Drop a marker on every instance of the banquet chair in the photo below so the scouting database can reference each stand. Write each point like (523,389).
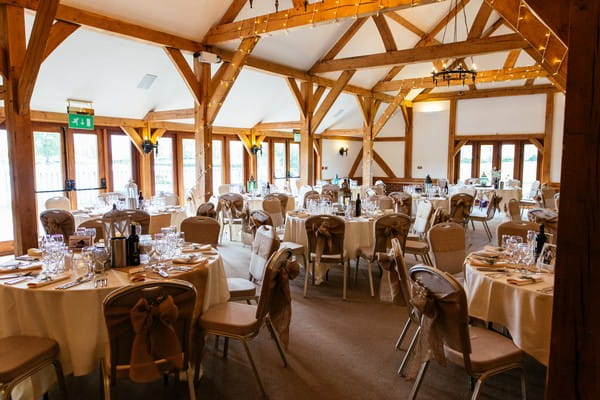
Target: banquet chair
(449,248)
(171,199)
(516,228)
(191,202)
(281,197)
(402,202)
(203,230)
(310,195)
(547,194)
(460,208)
(532,198)
(418,245)
(159,221)
(206,210)
(145,356)
(223,189)
(22,357)
(242,321)
(126,217)
(58,203)
(385,203)
(265,244)
(58,222)
(481,352)
(387,227)
(514,210)
(95,223)
(331,190)
(231,206)
(489,215)
(273,208)
(413,313)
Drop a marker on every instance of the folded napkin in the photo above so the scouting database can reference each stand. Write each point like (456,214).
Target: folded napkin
(34,253)
(197,247)
(19,266)
(41,283)
(494,249)
(190,259)
(486,254)
(488,262)
(524,280)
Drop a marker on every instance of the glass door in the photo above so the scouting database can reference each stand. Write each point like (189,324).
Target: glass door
(49,167)
(164,173)
(217,164)
(6,233)
(279,164)
(121,161)
(465,165)
(530,167)
(87,173)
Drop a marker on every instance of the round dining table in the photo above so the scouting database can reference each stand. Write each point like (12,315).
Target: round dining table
(177,215)
(526,311)
(74,318)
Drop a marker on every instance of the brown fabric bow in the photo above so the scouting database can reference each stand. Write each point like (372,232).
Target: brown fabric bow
(155,339)
(389,289)
(280,307)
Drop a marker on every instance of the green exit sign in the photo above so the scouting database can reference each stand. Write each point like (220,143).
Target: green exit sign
(81,121)
(297,137)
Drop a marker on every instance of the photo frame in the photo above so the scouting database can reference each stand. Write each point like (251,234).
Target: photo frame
(79,242)
(547,257)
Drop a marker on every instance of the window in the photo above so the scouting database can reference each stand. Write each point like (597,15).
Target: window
(294,163)
(507,161)
(486,155)
(279,164)
(189,164)
(6,233)
(262,165)
(530,165)
(217,164)
(163,166)
(85,148)
(236,162)
(48,166)
(465,170)
(122,170)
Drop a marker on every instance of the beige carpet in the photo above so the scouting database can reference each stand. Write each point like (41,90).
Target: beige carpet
(338,350)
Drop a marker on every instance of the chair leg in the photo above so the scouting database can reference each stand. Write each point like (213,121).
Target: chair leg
(262,388)
(277,341)
(230,231)
(307,269)
(403,333)
(409,351)
(105,380)
(356,270)
(477,389)
(418,381)
(190,381)
(370,278)
(345,263)
(523,384)
(60,377)
(225,347)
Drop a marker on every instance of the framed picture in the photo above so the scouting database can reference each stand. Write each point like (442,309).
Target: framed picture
(79,242)
(547,257)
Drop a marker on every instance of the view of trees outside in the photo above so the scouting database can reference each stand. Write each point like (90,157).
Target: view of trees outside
(507,162)
(217,165)
(122,171)
(163,166)
(236,162)
(486,152)
(530,156)
(87,174)
(466,161)
(262,166)
(189,164)
(279,164)
(48,166)
(294,163)
(5,201)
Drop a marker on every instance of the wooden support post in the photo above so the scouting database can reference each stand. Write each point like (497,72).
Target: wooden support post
(548,129)
(451,140)
(307,161)
(408,140)
(19,132)
(145,181)
(203,133)
(367,144)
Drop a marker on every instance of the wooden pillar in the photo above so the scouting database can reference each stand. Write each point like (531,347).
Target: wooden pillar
(19,132)
(548,132)
(367,154)
(203,133)
(408,140)
(451,141)
(307,162)
(144,172)
(573,372)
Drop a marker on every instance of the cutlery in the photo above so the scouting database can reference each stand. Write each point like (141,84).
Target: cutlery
(18,280)
(100,283)
(76,282)
(161,272)
(546,290)
(13,276)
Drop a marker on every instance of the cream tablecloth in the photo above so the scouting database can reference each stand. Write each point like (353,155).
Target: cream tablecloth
(506,195)
(177,216)
(436,202)
(74,319)
(525,312)
(255,203)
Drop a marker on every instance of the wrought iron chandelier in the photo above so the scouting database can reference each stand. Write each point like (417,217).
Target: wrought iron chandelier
(458,71)
(277,4)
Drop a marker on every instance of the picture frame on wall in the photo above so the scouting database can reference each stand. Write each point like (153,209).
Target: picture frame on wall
(547,257)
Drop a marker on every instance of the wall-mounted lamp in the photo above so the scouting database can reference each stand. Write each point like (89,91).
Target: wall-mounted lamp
(148,146)
(255,149)
(343,151)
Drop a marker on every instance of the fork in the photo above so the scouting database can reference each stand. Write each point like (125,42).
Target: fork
(100,283)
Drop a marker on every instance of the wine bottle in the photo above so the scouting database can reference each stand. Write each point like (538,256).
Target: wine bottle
(133,248)
(357,206)
(540,240)
(140,201)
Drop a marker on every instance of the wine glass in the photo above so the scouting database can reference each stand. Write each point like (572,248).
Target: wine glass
(101,256)
(91,232)
(161,246)
(58,237)
(86,266)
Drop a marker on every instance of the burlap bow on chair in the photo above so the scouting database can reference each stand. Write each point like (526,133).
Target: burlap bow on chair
(280,307)
(389,289)
(155,339)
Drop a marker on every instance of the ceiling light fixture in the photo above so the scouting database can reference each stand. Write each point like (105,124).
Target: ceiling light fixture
(462,72)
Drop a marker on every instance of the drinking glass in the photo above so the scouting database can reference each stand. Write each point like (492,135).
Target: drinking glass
(161,246)
(146,246)
(91,232)
(530,238)
(58,237)
(81,267)
(101,257)
(86,266)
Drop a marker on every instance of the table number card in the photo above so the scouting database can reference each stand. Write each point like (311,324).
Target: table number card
(79,242)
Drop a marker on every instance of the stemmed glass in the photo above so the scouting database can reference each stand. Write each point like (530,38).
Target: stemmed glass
(101,256)
(91,232)
(161,246)
(86,268)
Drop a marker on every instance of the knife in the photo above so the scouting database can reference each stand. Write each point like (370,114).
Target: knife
(76,282)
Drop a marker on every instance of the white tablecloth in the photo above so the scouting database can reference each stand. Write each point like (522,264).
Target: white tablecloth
(177,216)
(358,233)
(506,195)
(526,313)
(436,202)
(255,203)
(74,319)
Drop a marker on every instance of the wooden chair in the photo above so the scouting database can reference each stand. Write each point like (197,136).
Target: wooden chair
(231,206)
(281,197)
(547,194)
(489,215)
(272,207)
(331,191)
(449,248)
(532,199)
(265,244)
(514,210)
(481,352)
(402,202)
(460,208)
(310,195)
(58,203)
(242,321)
(516,228)
(95,223)
(206,210)
(122,337)
(57,221)
(387,227)
(203,230)
(22,357)
(157,222)
(418,246)
(124,218)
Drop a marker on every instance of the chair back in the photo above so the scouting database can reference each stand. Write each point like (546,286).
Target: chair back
(259,218)
(171,199)
(58,222)
(440,215)
(493,204)
(206,210)
(514,210)
(379,188)
(95,223)
(223,189)
(402,202)
(203,230)
(460,207)
(273,208)
(326,231)
(266,242)
(331,191)
(387,228)
(274,264)
(424,209)
(231,205)
(514,183)
(310,195)
(516,228)
(449,246)
(191,202)
(385,203)
(58,203)
(533,191)
(119,303)
(450,303)
(404,280)
(548,197)
(281,197)
(158,221)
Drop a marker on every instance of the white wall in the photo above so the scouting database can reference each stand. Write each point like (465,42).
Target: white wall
(335,163)
(430,139)
(557,136)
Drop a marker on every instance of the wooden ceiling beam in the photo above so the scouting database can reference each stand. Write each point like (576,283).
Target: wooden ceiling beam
(134,136)
(341,132)
(343,40)
(389,111)
(229,76)
(330,99)
(186,73)
(384,31)
(58,33)
(427,53)
(34,55)
(386,168)
(480,21)
(297,95)
(232,12)
(511,59)
(316,13)
(485,93)
(495,75)
(394,16)
(265,126)
(169,114)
